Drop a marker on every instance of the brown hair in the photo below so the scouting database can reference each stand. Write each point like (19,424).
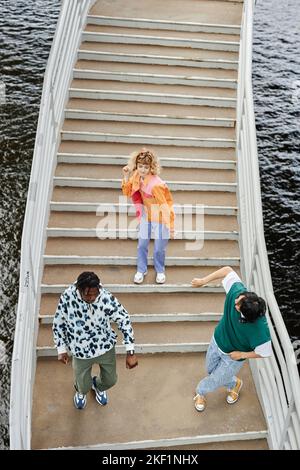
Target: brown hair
(147,157)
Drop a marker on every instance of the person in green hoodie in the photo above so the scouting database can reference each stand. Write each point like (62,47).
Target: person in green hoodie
(241,334)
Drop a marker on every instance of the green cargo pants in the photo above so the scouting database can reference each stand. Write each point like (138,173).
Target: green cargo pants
(83,367)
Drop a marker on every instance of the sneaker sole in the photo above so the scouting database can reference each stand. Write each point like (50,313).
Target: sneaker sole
(200,411)
(233,402)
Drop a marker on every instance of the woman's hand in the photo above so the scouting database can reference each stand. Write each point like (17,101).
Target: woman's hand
(198,282)
(237,355)
(126,172)
(172,234)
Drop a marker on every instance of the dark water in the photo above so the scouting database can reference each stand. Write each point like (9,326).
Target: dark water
(26,34)
(276,89)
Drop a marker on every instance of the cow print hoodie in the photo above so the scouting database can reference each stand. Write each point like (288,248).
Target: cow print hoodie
(84,329)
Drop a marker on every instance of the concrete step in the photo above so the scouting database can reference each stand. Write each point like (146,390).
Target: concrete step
(171,174)
(79,247)
(152,59)
(209,97)
(137,303)
(171,113)
(161,41)
(129,29)
(115,183)
(152,337)
(150,69)
(162,25)
(147,139)
(163,151)
(160,79)
(195,235)
(100,219)
(127,208)
(95,195)
(156,50)
(212,13)
(149,23)
(172,89)
(154,129)
(140,289)
(160,119)
(172,110)
(171,378)
(166,163)
(123,274)
(157,317)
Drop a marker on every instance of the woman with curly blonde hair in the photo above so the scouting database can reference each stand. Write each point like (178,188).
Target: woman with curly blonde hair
(147,157)
(154,208)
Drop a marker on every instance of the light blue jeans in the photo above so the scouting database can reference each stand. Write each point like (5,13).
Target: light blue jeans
(161,237)
(221,369)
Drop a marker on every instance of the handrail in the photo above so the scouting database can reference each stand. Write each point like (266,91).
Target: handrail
(56,83)
(276,379)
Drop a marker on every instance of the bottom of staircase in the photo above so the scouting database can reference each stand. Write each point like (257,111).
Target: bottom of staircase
(149,407)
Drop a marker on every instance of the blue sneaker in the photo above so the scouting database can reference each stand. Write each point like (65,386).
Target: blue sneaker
(79,401)
(101,397)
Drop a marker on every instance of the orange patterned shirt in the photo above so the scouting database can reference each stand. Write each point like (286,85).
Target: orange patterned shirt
(155,196)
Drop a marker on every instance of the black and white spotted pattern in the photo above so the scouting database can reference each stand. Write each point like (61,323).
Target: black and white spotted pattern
(85,329)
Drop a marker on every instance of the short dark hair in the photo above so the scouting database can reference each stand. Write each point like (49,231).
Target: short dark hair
(87,279)
(252,307)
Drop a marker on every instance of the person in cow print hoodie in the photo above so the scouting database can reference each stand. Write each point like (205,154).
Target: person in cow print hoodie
(82,329)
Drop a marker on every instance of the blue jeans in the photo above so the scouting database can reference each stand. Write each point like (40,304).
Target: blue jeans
(161,238)
(221,369)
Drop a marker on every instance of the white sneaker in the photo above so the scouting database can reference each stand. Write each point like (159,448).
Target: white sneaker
(160,278)
(139,277)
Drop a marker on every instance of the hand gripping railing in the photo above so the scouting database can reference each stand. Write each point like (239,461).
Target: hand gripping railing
(276,378)
(56,82)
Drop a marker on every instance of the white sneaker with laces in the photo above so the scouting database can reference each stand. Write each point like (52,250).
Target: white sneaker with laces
(139,277)
(160,278)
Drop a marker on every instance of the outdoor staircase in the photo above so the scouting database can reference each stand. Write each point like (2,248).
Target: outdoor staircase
(161,75)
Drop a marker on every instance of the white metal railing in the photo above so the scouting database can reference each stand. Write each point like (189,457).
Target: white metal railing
(276,379)
(56,82)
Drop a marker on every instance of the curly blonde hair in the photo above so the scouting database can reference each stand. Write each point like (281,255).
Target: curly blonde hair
(147,157)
